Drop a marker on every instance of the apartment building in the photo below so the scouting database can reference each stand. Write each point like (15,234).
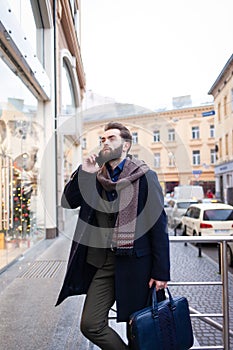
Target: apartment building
(42,85)
(222,91)
(179,144)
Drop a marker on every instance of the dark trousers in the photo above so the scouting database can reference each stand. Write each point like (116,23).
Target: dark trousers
(99,300)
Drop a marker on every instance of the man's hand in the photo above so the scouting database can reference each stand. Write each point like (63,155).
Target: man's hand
(158,284)
(90,164)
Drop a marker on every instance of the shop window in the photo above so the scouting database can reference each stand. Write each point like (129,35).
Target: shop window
(67,158)
(29,18)
(68,100)
(21,141)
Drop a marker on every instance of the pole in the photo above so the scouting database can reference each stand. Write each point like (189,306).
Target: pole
(225,298)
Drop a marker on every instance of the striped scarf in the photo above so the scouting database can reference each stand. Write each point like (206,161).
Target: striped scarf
(127,188)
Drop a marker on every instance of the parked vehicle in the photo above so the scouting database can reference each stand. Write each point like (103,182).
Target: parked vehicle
(209,219)
(175,209)
(210,200)
(189,192)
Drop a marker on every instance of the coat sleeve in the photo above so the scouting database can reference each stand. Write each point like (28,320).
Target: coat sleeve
(79,188)
(160,250)
(158,231)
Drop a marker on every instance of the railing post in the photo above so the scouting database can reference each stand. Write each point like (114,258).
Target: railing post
(199,248)
(219,258)
(225,298)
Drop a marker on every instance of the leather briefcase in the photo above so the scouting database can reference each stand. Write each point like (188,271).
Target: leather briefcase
(162,326)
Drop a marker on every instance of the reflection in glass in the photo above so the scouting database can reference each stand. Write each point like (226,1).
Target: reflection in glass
(21,136)
(68,102)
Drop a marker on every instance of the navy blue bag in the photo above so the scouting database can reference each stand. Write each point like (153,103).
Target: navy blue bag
(162,326)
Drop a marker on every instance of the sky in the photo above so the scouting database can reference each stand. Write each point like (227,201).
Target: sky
(147,52)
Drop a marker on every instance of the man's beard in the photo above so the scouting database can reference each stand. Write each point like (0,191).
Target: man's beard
(111,154)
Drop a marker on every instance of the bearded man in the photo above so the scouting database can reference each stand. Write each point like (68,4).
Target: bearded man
(120,247)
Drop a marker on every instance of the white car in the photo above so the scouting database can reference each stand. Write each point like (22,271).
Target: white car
(209,219)
(175,209)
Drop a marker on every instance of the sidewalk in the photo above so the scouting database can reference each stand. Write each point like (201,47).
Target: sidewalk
(29,289)
(28,292)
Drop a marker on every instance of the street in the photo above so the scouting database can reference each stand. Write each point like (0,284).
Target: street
(211,250)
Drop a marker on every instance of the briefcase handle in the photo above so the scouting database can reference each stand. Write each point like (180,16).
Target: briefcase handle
(155,302)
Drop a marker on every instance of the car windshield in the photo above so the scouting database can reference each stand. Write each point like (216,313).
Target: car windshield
(183,205)
(218,215)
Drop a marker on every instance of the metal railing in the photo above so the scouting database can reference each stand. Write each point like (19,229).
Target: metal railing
(207,317)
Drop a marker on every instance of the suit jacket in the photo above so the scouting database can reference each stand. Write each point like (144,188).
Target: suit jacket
(132,273)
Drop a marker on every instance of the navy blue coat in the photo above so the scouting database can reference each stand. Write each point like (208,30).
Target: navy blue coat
(132,273)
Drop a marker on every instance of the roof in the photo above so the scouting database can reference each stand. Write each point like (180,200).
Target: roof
(225,68)
(113,110)
(212,206)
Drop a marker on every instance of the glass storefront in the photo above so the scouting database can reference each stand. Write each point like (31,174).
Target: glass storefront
(21,214)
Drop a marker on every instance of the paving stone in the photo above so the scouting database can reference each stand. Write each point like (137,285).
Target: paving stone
(29,320)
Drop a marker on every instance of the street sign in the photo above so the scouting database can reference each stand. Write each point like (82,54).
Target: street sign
(207,114)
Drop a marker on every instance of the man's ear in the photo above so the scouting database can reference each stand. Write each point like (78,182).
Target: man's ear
(126,146)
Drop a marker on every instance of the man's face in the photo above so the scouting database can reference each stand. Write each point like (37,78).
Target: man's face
(112,145)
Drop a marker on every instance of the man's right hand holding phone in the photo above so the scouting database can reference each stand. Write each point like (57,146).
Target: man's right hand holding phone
(90,165)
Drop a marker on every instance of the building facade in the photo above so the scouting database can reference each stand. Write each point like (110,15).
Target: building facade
(178,144)
(42,85)
(222,91)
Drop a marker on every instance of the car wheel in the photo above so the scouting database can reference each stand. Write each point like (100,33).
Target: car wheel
(229,256)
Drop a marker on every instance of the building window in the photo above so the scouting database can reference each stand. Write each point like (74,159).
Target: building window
(134,138)
(232,143)
(171,159)
(195,132)
(219,111)
(171,134)
(232,99)
(84,143)
(156,136)
(75,14)
(225,106)
(212,131)
(157,160)
(212,156)
(196,158)
(226,145)
(220,147)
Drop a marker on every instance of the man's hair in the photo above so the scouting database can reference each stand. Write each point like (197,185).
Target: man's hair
(124,132)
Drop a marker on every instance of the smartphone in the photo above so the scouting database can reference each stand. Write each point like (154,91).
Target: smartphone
(99,159)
